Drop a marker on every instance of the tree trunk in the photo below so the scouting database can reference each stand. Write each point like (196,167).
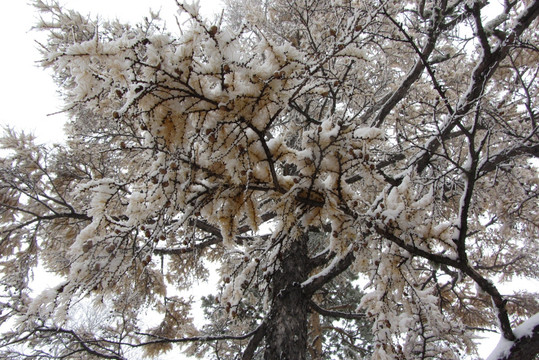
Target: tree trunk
(525,348)
(286,333)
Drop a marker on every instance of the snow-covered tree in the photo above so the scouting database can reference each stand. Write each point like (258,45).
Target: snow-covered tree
(294,146)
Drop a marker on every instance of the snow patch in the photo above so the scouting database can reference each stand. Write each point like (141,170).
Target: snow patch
(525,329)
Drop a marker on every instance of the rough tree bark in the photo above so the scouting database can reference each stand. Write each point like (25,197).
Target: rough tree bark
(525,348)
(286,334)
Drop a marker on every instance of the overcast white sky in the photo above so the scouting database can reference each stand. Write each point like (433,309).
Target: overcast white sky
(28,94)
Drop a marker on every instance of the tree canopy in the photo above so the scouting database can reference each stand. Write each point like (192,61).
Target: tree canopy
(360,174)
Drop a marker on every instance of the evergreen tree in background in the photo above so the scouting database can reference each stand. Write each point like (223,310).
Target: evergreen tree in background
(301,148)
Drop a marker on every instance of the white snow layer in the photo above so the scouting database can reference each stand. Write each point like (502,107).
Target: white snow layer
(504,346)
